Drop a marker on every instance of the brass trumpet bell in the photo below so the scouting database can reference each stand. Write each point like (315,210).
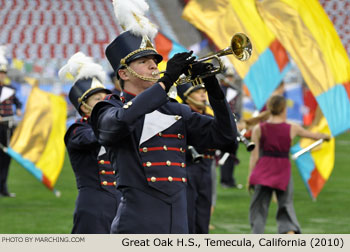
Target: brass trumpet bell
(240,47)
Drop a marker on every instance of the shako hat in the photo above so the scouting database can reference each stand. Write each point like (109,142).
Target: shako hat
(88,78)
(184,90)
(135,41)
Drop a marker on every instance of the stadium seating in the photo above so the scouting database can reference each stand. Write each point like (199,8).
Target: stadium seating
(51,29)
(47,29)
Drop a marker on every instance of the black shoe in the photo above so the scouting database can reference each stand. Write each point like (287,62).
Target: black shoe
(7,194)
(225,185)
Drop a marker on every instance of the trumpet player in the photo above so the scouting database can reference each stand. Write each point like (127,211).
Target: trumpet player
(231,87)
(147,133)
(199,186)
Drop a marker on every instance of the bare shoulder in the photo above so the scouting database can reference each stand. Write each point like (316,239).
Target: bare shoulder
(256,127)
(294,126)
(256,130)
(294,129)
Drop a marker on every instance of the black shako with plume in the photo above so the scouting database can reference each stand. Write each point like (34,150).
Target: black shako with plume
(135,41)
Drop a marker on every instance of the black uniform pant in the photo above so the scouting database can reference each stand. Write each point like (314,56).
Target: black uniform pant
(143,213)
(4,158)
(199,199)
(227,171)
(94,211)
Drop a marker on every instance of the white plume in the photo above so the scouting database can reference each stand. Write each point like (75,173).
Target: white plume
(131,17)
(81,66)
(3,59)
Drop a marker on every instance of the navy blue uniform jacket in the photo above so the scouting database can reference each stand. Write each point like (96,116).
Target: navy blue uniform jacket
(98,198)
(147,136)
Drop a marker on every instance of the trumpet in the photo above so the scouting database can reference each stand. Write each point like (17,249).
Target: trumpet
(240,47)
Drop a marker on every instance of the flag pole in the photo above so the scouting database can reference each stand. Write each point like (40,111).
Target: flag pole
(306,149)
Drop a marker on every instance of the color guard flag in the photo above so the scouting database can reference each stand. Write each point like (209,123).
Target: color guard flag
(315,167)
(221,19)
(37,142)
(308,35)
(167,48)
(293,93)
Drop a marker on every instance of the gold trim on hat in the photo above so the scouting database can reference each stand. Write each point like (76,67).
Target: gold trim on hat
(123,60)
(95,83)
(188,91)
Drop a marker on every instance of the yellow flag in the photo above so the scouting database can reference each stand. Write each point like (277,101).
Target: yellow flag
(316,166)
(221,19)
(39,137)
(305,30)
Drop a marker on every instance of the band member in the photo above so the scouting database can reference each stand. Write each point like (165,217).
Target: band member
(98,198)
(199,188)
(8,100)
(147,134)
(270,170)
(231,87)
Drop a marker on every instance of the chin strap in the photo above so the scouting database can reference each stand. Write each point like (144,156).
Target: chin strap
(199,105)
(140,76)
(88,107)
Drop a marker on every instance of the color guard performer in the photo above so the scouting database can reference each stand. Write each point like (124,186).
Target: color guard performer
(270,168)
(98,198)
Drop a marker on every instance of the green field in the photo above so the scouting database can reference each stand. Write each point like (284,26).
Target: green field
(36,210)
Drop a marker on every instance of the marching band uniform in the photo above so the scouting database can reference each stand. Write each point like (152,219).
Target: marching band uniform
(199,193)
(98,198)
(6,111)
(233,97)
(147,135)
(199,188)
